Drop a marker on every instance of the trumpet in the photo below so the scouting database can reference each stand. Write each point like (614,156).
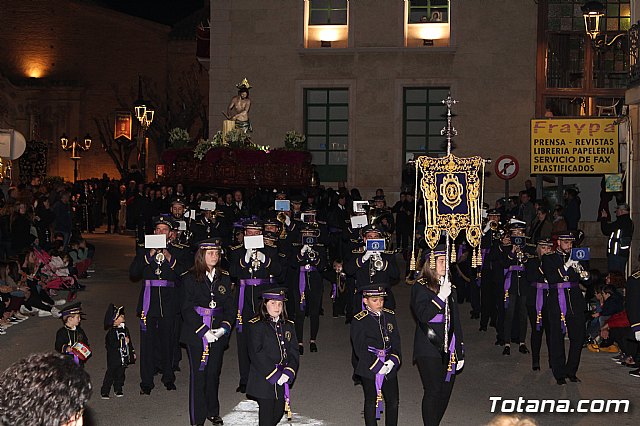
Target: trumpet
(376,264)
(255,263)
(584,274)
(282,218)
(312,254)
(159,258)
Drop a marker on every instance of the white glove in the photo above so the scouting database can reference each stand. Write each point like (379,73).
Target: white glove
(389,364)
(486,228)
(247,256)
(385,369)
(366,256)
(210,336)
(261,257)
(570,264)
(283,379)
(459,365)
(305,248)
(287,220)
(218,332)
(445,290)
(637,336)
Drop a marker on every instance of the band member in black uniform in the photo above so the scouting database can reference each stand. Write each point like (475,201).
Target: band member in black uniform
(120,352)
(71,339)
(632,306)
(489,271)
(255,271)
(566,307)
(310,259)
(273,350)
(514,258)
(537,295)
(438,350)
(208,311)
(206,226)
(372,267)
(339,294)
(158,305)
(376,342)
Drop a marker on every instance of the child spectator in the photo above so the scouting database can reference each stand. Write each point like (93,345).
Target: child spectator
(120,352)
(71,339)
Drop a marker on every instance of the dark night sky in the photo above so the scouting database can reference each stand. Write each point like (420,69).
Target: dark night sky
(165,12)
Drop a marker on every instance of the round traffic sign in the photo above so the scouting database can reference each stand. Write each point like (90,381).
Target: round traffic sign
(507,167)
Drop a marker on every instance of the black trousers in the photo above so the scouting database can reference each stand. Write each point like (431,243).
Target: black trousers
(114,376)
(565,365)
(437,391)
(536,335)
(270,411)
(391,396)
(243,356)
(313,303)
(340,302)
(350,307)
(112,219)
(158,342)
(488,300)
(203,385)
(516,313)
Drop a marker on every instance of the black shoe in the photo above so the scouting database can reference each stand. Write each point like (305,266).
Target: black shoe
(507,350)
(241,388)
(170,386)
(176,368)
(561,381)
(475,315)
(119,394)
(523,349)
(483,328)
(574,379)
(104,395)
(635,373)
(535,368)
(301,349)
(313,347)
(499,342)
(216,420)
(347,321)
(145,391)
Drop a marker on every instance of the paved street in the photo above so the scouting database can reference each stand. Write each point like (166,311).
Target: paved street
(323,393)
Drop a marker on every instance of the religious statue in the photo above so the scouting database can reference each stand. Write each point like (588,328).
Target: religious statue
(238,109)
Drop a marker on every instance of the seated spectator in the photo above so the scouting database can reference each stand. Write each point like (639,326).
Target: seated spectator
(79,254)
(612,304)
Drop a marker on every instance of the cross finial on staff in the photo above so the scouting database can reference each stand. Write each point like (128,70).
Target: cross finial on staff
(449,131)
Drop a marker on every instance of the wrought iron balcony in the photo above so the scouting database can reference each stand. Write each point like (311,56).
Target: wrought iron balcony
(634,54)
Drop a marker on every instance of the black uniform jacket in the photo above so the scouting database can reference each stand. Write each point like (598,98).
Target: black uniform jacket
(554,271)
(361,270)
(116,345)
(273,350)
(633,301)
(425,305)
(380,332)
(164,301)
(65,338)
(198,293)
(534,274)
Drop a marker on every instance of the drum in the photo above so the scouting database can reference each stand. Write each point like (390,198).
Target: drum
(82,351)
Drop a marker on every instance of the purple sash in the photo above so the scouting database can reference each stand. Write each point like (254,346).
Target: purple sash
(382,356)
(334,291)
(245,282)
(302,282)
(539,302)
(206,314)
(562,301)
(507,281)
(451,368)
(287,401)
(146,298)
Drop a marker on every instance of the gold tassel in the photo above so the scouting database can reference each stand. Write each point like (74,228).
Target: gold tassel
(453,253)
(432,261)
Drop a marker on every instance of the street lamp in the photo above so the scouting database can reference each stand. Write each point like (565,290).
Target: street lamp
(74,146)
(593,14)
(144,113)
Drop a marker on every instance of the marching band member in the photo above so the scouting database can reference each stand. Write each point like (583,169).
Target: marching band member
(208,312)
(310,259)
(252,268)
(71,339)
(273,350)
(537,294)
(566,306)
(159,304)
(376,343)
(489,271)
(120,352)
(438,350)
